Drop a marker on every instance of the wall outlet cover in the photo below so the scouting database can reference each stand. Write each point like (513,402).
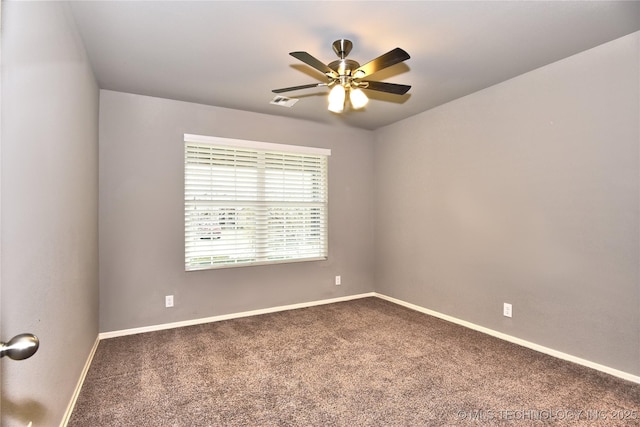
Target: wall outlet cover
(507,310)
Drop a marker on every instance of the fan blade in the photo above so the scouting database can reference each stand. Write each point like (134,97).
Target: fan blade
(390,58)
(288,89)
(315,63)
(386,87)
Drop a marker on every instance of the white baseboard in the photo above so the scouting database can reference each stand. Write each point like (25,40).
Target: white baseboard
(76,393)
(533,346)
(121,333)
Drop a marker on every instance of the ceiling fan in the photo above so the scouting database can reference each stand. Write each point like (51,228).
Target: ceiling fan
(347,76)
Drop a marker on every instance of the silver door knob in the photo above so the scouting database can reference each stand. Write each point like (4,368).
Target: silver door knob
(20,347)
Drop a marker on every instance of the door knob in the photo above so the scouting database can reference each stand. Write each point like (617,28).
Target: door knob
(20,347)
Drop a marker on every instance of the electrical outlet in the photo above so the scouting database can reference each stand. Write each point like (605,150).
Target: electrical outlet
(338,280)
(507,310)
(168,301)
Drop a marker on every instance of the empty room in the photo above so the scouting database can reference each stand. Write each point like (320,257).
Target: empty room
(269,213)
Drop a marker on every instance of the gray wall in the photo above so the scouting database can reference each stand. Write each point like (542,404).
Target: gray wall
(49,209)
(142,215)
(528,193)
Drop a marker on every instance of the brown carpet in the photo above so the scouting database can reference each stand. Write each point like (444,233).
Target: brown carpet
(366,362)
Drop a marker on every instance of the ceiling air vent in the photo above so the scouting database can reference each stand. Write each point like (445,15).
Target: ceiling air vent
(283,101)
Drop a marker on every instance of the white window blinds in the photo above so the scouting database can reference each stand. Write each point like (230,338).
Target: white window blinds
(249,203)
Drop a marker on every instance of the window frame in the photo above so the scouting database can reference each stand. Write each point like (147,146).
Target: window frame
(261,237)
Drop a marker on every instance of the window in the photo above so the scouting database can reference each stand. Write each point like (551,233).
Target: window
(250,203)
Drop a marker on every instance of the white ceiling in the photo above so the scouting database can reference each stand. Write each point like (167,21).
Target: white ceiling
(232,54)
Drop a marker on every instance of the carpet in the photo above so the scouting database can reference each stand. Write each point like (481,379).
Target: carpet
(366,362)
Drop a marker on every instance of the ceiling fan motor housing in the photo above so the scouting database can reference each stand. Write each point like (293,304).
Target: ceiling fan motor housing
(344,67)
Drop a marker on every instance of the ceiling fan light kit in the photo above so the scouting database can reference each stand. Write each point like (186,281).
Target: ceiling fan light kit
(346,76)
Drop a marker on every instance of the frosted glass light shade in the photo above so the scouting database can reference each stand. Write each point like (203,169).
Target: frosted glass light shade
(358,98)
(336,99)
